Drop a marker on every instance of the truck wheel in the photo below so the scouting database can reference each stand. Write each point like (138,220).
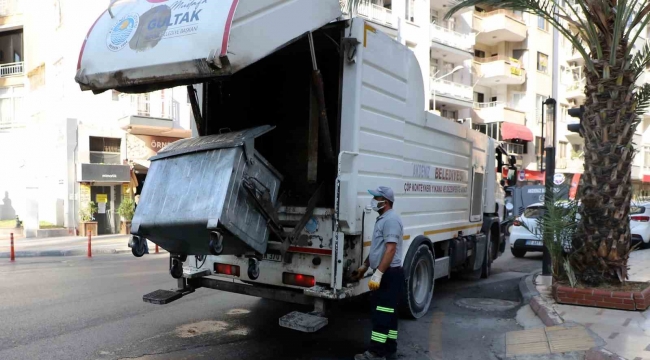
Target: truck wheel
(486,268)
(518,253)
(416,298)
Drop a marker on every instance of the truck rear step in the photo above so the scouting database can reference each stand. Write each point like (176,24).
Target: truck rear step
(163,297)
(308,323)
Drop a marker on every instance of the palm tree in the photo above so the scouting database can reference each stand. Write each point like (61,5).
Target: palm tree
(603,32)
(613,106)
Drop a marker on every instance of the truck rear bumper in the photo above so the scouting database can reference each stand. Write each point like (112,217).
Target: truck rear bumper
(267,292)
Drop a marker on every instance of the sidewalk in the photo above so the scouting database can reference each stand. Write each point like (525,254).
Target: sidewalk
(69,246)
(622,333)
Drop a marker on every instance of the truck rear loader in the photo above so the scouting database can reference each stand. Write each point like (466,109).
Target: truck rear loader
(298,111)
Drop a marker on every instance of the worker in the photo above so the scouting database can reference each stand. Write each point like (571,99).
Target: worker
(387,282)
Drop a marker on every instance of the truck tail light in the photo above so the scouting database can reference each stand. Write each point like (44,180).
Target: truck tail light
(226,269)
(298,280)
(516,223)
(640,218)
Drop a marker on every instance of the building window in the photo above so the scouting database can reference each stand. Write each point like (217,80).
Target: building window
(434,17)
(562,149)
(518,100)
(479,53)
(434,67)
(519,55)
(491,130)
(541,23)
(542,62)
(410,10)
(564,110)
(105,150)
(449,114)
(11,104)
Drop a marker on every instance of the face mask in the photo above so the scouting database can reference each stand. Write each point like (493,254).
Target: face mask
(375,204)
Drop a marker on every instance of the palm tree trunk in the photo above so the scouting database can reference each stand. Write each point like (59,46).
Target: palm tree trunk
(603,240)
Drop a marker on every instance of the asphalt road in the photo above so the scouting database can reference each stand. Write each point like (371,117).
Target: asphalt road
(79,308)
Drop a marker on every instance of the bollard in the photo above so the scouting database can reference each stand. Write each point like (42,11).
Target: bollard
(156,248)
(12,256)
(90,252)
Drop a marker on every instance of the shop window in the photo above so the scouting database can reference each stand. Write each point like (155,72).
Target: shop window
(105,150)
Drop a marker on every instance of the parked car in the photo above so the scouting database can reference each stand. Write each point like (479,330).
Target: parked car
(640,224)
(522,240)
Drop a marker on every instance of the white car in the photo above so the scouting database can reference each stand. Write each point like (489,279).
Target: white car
(522,240)
(640,224)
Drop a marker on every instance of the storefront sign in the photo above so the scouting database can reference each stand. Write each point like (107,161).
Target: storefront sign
(105,173)
(142,147)
(101,198)
(84,194)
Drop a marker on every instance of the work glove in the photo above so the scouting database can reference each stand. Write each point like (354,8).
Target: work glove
(359,273)
(375,280)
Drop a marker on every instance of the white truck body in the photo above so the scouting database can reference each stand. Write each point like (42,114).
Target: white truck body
(443,173)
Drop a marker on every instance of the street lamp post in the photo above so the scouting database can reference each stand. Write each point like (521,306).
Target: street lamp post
(443,76)
(549,147)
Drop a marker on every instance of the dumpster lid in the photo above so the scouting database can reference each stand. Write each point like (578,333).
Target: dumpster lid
(221,141)
(146,45)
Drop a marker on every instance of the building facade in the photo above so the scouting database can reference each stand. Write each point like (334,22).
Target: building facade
(492,69)
(62,147)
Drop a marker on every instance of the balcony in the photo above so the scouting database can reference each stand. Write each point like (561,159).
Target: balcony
(452,42)
(499,25)
(373,12)
(497,111)
(150,114)
(499,70)
(457,93)
(11,69)
(576,91)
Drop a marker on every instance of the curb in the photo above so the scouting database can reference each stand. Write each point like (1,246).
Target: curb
(60,253)
(550,317)
(527,288)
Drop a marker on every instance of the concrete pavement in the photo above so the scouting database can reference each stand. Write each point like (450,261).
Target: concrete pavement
(69,246)
(79,308)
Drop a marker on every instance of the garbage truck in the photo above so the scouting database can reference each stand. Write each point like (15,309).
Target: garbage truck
(297,112)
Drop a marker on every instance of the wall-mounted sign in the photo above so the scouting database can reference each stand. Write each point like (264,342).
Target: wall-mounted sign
(105,173)
(101,198)
(142,147)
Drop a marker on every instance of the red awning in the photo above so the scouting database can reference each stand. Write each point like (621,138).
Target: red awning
(646,178)
(533,175)
(515,131)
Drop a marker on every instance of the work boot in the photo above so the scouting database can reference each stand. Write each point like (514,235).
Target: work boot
(368,355)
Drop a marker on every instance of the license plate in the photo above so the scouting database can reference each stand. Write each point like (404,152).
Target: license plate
(273,257)
(534,242)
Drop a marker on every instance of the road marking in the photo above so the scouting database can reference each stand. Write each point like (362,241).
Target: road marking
(435,335)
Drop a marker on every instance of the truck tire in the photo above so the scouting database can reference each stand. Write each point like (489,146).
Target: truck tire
(518,253)
(419,284)
(486,268)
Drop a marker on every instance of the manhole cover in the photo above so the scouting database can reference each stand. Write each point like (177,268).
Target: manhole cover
(487,304)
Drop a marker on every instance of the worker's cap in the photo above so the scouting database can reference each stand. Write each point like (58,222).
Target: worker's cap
(385,192)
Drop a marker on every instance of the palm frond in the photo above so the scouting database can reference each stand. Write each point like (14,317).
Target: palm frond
(642,99)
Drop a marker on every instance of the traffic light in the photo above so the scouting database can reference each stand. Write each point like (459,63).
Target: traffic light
(577,113)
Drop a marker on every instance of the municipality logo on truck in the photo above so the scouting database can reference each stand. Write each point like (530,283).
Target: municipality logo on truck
(144,29)
(122,32)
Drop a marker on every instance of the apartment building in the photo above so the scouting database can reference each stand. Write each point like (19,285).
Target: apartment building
(61,147)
